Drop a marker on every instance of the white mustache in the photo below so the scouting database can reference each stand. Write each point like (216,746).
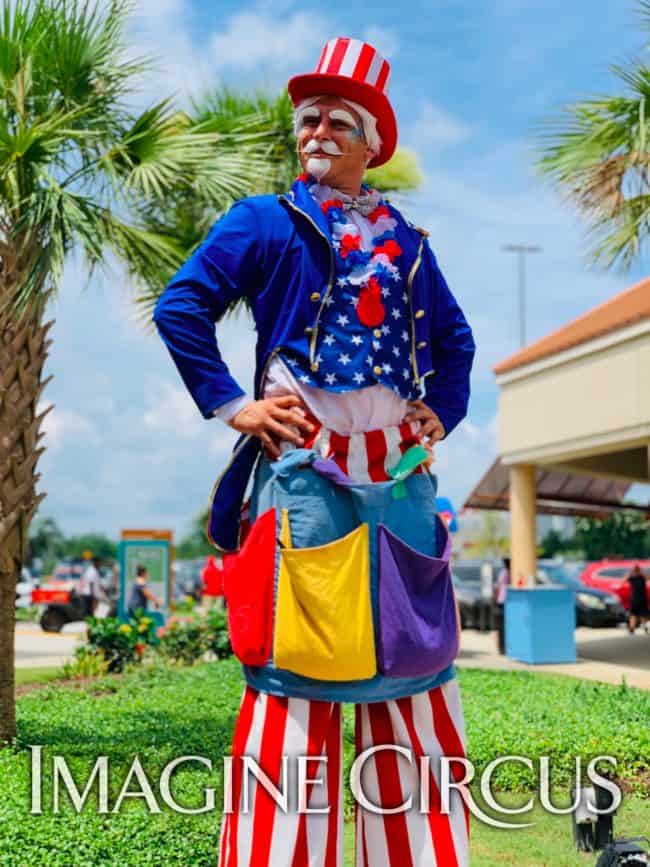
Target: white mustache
(327,147)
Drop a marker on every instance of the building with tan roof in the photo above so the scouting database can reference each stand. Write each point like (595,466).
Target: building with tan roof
(574,421)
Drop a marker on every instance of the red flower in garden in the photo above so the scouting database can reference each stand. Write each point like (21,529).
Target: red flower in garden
(391,249)
(348,244)
(139,648)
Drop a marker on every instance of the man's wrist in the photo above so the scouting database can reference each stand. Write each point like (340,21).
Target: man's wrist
(227,411)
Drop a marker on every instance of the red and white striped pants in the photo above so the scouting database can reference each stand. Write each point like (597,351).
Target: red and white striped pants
(261,834)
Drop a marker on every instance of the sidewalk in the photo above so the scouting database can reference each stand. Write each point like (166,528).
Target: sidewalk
(606,655)
(38,649)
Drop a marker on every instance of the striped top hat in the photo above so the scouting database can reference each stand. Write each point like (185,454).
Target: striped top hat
(352,69)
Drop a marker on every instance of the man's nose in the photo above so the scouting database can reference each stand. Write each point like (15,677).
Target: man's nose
(322,131)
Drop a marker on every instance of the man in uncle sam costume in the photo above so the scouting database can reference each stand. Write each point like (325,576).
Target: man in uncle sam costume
(341,590)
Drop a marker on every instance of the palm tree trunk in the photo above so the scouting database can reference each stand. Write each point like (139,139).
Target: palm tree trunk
(23,350)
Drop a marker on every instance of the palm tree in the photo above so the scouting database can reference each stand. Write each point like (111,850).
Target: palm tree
(597,152)
(79,167)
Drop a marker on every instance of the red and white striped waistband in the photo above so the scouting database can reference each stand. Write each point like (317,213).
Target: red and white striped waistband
(365,457)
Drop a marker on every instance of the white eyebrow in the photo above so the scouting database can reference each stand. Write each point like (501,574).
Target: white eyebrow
(345,116)
(309,111)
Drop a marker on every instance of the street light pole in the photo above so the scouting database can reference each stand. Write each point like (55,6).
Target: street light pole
(521,250)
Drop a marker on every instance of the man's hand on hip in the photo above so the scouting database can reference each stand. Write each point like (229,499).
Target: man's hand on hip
(431,428)
(273,420)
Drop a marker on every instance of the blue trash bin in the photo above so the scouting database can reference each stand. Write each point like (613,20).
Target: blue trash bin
(540,624)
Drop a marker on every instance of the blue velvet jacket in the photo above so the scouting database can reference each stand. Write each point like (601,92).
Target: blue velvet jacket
(275,252)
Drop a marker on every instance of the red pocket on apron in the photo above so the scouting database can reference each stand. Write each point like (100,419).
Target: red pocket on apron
(248,588)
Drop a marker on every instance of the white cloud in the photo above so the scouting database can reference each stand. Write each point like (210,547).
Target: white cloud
(253,38)
(436,127)
(171,411)
(63,426)
(384,40)
(463,459)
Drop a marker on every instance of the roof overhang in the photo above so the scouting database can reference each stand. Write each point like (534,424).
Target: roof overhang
(558,493)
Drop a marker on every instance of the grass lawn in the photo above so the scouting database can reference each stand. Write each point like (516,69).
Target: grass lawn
(159,714)
(37,675)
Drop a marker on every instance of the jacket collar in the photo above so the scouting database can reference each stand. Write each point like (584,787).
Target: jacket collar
(300,196)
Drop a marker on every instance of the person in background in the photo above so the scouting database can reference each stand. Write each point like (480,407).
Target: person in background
(212,578)
(639,613)
(90,589)
(503,582)
(141,595)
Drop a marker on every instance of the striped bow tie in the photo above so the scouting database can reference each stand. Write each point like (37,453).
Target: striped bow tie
(365,204)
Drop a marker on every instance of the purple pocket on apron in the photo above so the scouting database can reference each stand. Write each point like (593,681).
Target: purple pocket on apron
(418,629)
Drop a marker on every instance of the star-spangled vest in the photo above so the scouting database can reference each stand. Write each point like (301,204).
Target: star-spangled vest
(351,355)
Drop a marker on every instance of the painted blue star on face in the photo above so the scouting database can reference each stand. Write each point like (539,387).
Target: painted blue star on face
(342,319)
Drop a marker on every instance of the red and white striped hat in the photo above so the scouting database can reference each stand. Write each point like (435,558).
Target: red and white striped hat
(353,70)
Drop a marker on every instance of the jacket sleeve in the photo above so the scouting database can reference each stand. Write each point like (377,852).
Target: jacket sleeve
(222,270)
(452,347)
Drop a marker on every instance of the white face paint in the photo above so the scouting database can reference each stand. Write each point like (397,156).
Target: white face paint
(326,146)
(345,117)
(318,167)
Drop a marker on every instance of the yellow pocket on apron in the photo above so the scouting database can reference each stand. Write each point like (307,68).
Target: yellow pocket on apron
(323,621)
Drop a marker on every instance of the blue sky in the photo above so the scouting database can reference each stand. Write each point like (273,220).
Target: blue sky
(471,80)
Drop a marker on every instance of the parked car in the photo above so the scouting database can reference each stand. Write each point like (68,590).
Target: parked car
(468,594)
(60,603)
(475,610)
(594,607)
(610,575)
(24,588)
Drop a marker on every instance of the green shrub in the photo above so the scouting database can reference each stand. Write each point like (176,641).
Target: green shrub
(183,640)
(88,662)
(120,643)
(218,636)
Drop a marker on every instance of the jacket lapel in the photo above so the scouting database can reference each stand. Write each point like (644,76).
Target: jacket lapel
(301,198)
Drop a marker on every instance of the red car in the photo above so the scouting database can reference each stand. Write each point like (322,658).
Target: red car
(610,575)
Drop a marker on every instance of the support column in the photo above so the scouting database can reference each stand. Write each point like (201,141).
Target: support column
(523,515)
